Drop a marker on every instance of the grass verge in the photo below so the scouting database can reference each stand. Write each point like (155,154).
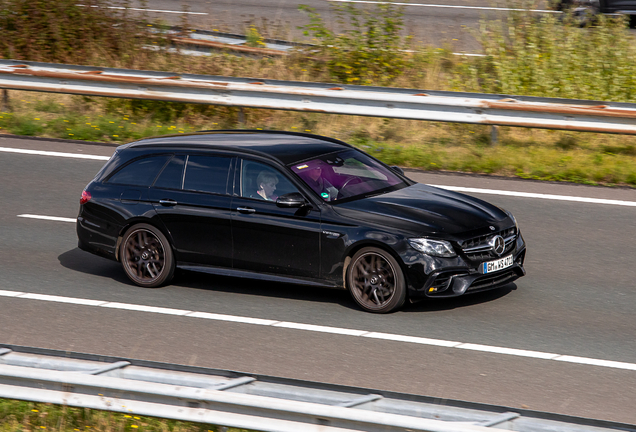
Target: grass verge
(21,416)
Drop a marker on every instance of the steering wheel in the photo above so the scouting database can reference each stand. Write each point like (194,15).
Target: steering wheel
(350,181)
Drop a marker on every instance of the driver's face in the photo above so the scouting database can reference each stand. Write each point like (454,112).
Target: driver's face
(268,188)
(314,174)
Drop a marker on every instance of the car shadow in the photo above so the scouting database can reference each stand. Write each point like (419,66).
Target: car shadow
(83,262)
(258,287)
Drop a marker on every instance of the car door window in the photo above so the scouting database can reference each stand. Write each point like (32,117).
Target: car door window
(172,175)
(207,174)
(141,172)
(261,181)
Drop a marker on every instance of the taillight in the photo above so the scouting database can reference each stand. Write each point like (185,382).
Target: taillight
(86,197)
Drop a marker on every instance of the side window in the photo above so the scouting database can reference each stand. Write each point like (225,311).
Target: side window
(172,175)
(207,174)
(261,181)
(141,172)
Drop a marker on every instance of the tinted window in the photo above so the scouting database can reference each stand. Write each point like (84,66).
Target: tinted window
(141,172)
(207,174)
(172,175)
(261,181)
(346,175)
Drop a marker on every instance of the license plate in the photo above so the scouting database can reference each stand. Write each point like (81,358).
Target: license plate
(500,264)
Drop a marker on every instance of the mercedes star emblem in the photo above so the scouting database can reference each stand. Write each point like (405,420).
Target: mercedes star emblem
(498,244)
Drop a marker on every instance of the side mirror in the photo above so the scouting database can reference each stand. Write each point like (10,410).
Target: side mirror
(397,169)
(292,200)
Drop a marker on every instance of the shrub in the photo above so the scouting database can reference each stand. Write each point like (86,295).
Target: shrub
(369,49)
(553,57)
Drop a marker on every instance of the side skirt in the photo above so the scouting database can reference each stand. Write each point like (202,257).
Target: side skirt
(218,271)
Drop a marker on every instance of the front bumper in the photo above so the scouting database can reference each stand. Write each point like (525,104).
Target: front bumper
(458,276)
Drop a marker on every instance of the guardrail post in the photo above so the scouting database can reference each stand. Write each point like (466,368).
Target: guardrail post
(5,101)
(241,116)
(494,135)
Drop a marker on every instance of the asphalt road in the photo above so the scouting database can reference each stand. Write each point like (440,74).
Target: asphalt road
(577,299)
(428,21)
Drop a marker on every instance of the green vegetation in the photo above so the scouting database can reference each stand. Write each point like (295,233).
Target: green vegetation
(20,416)
(552,58)
(526,55)
(254,38)
(371,51)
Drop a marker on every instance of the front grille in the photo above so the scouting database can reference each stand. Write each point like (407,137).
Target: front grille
(490,281)
(479,249)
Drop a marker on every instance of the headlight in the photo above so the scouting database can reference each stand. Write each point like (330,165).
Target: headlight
(440,248)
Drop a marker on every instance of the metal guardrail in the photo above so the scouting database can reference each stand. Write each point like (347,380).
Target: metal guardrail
(203,42)
(206,40)
(199,42)
(254,402)
(413,104)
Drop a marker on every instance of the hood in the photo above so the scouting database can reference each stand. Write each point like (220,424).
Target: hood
(424,210)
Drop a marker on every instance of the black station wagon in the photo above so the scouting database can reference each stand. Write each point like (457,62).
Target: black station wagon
(295,208)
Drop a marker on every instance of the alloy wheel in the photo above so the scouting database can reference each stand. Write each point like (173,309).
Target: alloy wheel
(373,281)
(144,256)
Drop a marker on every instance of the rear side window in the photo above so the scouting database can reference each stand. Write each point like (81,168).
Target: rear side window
(207,174)
(141,172)
(172,175)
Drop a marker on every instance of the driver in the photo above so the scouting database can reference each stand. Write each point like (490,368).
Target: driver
(321,185)
(266,183)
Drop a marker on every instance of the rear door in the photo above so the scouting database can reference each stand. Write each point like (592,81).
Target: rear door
(267,238)
(192,198)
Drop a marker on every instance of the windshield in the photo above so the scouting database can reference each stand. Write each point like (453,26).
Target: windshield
(346,175)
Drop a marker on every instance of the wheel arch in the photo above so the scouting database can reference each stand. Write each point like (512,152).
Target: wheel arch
(354,248)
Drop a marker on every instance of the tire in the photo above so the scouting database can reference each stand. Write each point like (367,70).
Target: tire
(146,256)
(376,281)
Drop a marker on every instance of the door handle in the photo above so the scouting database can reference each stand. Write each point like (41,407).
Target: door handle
(245,210)
(167,202)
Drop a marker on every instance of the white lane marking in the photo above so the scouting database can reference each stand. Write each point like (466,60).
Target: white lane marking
(511,351)
(445,6)
(52,218)
(320,329)
(149,10)
(5,293)
(538,195)
(59,299)
(142,308)
(412,339)
(50,153)
(597,362)
(325,329)
(232,318)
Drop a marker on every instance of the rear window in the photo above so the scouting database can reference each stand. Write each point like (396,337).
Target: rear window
(141,172)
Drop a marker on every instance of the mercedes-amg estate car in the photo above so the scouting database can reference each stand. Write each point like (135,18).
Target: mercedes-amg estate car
(293,207)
